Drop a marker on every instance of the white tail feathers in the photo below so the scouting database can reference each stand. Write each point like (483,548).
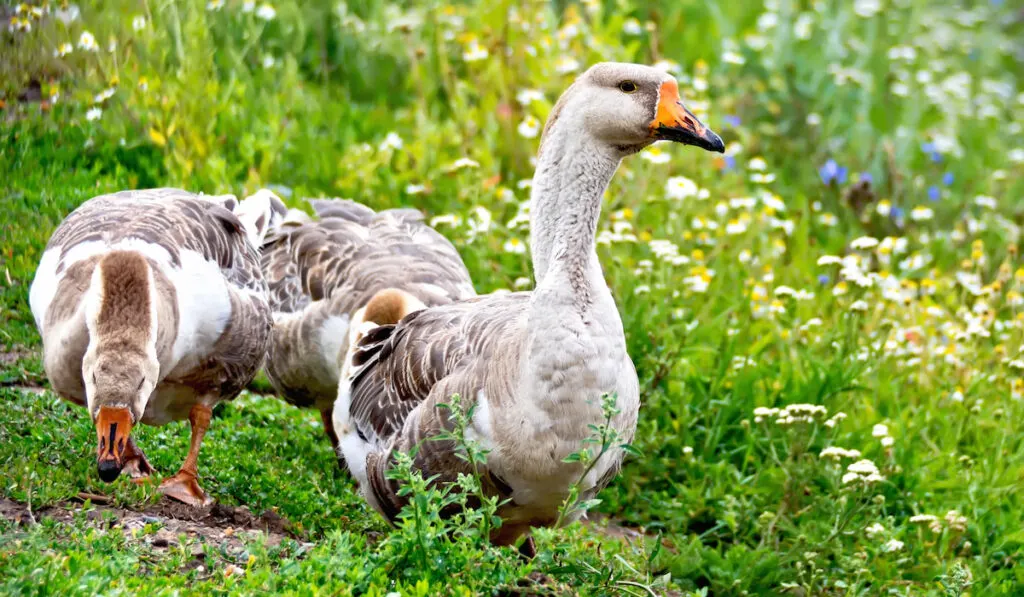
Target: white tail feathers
(296,216)
(259,213)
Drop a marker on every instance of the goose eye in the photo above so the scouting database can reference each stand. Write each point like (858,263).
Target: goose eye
(627,87)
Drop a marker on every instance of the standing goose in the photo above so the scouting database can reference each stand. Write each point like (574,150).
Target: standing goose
(532,364)
(322,276)
(152,308)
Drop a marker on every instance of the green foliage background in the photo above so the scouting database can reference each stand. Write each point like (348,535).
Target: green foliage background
(716,264)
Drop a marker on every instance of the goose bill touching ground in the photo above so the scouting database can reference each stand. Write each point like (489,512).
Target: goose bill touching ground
(533,365)
(152,308)
(329,275)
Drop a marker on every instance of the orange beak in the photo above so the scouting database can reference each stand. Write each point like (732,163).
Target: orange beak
(674,122)
(113,426)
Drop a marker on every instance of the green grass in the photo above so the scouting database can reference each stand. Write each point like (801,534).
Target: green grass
(731,314)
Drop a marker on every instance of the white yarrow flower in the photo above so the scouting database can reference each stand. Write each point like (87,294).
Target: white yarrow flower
(680,187)
(867,8)
(874,529)
(632,27)
(921,213)
(529,127)
(515,246)
(87,42)
(864,242)
(859,305)
(391,142)
(525,97)
(266,12)
(474,52)
(461,163)
(566,65)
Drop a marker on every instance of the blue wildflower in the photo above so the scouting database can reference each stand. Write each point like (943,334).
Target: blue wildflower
(730,163)
(932,151)
(896,213)
(732,120)
(866,177)
(947,178)
(832,172)
(823,279)
(933,193)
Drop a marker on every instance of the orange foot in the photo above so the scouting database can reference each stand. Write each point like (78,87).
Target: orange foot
(135,464)
(185,488)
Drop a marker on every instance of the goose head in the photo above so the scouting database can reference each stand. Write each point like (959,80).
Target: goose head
(118,386)
(629,106)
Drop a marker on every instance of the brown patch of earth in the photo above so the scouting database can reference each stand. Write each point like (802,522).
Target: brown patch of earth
(13,354)
(602,523)
(225,528)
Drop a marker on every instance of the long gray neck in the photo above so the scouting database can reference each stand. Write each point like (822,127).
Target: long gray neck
(572,174)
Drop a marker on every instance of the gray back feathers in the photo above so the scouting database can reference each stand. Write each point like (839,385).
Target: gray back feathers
(323,270)
(351,252)
(172,219)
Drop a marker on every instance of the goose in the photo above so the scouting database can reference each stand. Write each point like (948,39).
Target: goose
(531,366)
(322,275)
(152,308)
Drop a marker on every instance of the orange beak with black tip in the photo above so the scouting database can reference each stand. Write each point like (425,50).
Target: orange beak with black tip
(113,426)
(674,122)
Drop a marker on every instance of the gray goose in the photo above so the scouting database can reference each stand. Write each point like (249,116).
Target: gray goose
(533,365)
(152,308)
(326,275)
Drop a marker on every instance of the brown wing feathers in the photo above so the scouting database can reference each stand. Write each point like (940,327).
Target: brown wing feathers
(358,252)
(333,266)
(442,350)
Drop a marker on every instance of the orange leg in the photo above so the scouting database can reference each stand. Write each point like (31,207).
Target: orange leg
(135,463)
(184,486)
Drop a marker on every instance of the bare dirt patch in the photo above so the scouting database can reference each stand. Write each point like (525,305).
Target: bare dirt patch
(222,527)
(604,524)
(13,354)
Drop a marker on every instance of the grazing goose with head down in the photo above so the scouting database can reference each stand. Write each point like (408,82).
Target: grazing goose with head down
(533,365)
(322,276)
(152,308)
